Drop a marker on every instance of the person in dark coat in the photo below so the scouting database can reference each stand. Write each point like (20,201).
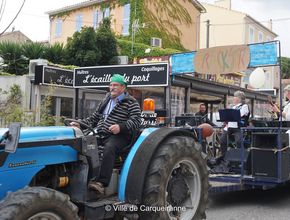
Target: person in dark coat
(203,115)
(117,117)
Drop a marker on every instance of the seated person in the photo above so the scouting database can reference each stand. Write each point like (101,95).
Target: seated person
(203,114)
(117,117)
(232,128)
(286,107)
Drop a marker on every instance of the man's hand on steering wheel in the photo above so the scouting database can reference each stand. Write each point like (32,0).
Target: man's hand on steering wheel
(79,124)
(75,124)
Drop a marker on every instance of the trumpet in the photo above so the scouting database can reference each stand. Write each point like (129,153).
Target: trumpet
(274,115)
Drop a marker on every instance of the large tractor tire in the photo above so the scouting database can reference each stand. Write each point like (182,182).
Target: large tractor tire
(33,203)
(176,185)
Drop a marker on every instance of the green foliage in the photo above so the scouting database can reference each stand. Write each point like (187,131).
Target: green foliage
(68,67)
(90,48)
(285,62)
(136,12)
(139,50)
(12,53)
(16,56)
(5,74)
(54,53)
(10,109)
(33,50)
(81,49)
(156,25)
(14,94)
(106,41)
(123,2)
(46,106)
(46,117)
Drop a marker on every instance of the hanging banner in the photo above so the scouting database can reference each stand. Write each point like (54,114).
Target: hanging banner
(224,59)
(57,76)
(136,75)
(263,54)
(182,63)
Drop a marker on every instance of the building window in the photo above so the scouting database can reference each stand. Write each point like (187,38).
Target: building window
(98,16)
(79,22)
(177,102)
(58,27)
(251,35)
(66,107)
(107,13)
(96,19)
(260,37)
(126,20)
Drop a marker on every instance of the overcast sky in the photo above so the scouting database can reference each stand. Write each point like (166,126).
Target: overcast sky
(263,11)
(34,23)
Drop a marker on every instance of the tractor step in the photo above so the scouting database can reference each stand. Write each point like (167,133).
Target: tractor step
(103,208)
(216,186)
(226,182)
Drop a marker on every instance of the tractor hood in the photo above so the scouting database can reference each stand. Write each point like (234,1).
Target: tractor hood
(39,147)
(29,134)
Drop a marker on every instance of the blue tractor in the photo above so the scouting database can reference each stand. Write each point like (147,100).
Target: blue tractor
(44,173)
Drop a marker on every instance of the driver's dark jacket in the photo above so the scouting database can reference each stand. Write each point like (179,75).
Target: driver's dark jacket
(204,118)
(126,114)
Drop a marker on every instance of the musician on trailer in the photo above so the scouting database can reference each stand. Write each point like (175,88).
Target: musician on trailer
(286,108)
(233,129)
(203,114)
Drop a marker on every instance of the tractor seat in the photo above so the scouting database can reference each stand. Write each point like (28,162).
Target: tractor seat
(120,159)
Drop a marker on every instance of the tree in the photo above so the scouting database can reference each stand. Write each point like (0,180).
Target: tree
(285,67)
(33,50)
(10,108)
(12,54)
(81,49)
(106,42)
(55,53)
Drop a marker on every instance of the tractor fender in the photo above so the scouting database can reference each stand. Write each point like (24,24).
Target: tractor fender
(134,170)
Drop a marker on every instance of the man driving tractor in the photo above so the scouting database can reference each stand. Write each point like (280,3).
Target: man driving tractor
(117,117)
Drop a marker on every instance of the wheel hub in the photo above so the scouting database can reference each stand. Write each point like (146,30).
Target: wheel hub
(45,216)
(177,190)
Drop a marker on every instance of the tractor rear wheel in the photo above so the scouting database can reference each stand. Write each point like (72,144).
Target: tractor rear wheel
(33,203)
(176,185)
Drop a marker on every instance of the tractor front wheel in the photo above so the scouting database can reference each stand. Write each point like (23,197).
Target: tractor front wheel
(176,185)
(34,203)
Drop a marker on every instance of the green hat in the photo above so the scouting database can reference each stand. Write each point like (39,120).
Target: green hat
(119,79)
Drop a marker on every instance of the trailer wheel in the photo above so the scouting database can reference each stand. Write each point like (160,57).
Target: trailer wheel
(176,185)
(33,203)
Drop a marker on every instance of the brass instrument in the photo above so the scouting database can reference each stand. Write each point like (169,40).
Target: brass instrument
(274,115)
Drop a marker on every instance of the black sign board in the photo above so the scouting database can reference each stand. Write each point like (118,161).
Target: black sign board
(136,75)
(57,77)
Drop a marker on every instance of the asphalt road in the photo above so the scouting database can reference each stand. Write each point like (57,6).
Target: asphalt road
(250,205)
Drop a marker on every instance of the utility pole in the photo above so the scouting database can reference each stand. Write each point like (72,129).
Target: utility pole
(135,26)
(207,33)
(207,42)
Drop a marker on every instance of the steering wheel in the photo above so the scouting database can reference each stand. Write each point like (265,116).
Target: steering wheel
(67,122)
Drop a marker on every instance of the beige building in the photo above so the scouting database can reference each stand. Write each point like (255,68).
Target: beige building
(221,25)
(64,22)
(15,37)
